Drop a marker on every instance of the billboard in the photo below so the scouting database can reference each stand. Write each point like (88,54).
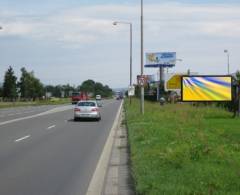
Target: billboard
(206,88)
(165,59)
(173,82)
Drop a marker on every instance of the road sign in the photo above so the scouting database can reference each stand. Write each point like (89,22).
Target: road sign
(131,91)
(142,80)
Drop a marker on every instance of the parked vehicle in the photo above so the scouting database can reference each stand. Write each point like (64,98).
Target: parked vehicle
(87,109)
(79,96)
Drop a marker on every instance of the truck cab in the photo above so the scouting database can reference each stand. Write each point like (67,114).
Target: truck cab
(98,97)
(78,96)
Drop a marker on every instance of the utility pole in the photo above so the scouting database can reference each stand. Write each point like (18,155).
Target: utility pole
(228,60)
(142,86)
(130,60)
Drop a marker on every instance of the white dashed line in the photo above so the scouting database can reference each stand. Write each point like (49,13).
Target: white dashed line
(11,114)
(22,138)
(51,127)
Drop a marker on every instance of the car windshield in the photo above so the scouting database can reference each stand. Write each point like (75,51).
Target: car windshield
(75,94)
(92,104)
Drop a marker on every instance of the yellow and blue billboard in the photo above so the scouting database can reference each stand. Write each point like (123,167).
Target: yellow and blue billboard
(160,59)
(206,88)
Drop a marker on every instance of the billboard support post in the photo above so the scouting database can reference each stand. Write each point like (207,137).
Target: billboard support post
(161,80)
(160,84)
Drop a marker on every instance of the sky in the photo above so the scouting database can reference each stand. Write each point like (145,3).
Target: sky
(69,41)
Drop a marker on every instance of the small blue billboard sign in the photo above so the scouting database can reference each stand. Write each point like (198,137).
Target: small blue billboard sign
(161,59)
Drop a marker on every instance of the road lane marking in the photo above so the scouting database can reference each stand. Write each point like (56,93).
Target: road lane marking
(22,138)
(52,111)
(51,127)
(11,114)
(29,112)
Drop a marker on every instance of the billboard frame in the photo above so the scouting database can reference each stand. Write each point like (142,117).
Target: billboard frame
(229,76)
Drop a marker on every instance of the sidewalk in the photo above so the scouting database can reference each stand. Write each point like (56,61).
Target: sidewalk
(118,179)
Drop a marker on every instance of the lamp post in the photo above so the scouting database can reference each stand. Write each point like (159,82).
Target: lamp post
(142,87)
(130,25)
(228,60)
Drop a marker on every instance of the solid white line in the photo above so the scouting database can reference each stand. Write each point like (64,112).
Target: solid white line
(51,127)
(22,138)
(52,111)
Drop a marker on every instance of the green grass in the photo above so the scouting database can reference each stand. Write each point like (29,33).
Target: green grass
(53,101)
(181,149)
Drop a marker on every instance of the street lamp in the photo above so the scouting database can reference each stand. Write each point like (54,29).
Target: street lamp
(228,56)
(130,25)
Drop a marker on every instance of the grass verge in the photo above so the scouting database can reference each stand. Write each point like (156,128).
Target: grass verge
(53,101)
(180,149)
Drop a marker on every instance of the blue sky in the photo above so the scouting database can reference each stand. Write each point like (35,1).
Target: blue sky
(69,41)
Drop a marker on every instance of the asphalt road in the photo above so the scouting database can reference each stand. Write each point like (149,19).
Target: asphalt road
(51,154)
(18,112)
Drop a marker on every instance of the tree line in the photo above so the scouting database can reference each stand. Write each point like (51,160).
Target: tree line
(28,87)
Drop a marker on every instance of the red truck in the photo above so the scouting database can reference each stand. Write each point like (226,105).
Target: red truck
(78,96)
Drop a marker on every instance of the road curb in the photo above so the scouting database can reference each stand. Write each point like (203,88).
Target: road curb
(118,180)
(97,182)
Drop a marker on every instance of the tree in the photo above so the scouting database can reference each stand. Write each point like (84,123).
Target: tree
(1,91)
(30,86)
(56,91)
(10,84)
(88,86)
(238,76)
(67,89)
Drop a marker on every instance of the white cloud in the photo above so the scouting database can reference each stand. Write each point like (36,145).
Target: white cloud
(92,23)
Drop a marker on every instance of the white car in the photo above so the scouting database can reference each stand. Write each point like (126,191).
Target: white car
(87,109)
